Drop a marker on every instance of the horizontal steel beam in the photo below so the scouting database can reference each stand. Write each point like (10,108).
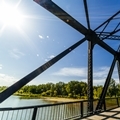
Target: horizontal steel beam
(111,37)
(15,87)
(112,33)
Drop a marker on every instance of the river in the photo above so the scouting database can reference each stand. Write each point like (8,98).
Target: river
(58,112)
(15,101)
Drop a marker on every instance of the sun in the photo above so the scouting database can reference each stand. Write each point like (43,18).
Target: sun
(10,15)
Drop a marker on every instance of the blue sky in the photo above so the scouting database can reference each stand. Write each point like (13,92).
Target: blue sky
(39,36)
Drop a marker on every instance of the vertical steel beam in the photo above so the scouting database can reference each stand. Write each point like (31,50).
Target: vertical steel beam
(34,113)
(118,62)
(107,82)
(118,66)
(90,77)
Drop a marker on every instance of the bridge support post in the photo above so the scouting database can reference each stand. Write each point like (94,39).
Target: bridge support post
(34,113)
(81,109)
(118,66)
(90,77)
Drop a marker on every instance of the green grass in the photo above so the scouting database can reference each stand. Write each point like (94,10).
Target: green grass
(28,96)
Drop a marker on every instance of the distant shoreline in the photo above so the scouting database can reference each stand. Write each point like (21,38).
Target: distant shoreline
(59,99)
(51,99)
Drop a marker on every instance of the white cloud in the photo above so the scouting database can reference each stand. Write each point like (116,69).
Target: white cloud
(82,72)
(99,74)
(1,66)
(47,36)
(46,60)
(51,56)
(99,82)
(41,37)
(16,53)
(37,55)
(6,80)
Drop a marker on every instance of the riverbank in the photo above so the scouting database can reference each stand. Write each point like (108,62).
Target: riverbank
(58,99)
(51,99)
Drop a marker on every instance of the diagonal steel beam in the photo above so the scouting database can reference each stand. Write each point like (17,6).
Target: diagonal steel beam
(106,47)
(86,13)
(107,20)
(15,87)
(57,11)
(104,91)
(107,82)
(104,28)
(117,26)
(96,40)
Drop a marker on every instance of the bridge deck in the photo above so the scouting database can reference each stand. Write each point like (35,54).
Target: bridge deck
(113,114)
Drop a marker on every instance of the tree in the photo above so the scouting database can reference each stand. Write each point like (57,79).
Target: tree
(60,88)
(118,87)
(32,89)
(76,88)
(97,90)
(112,89)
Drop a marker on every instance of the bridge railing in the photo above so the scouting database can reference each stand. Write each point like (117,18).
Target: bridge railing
(58,111)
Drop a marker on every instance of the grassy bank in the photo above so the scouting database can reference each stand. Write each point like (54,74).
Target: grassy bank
(28,96)
(52,99)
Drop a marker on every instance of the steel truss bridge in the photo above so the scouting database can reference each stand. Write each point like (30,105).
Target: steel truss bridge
(94,37)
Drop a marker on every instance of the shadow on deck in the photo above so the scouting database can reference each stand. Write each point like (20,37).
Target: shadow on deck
(113,114)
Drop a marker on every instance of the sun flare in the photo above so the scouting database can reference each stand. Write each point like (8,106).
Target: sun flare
(10,16)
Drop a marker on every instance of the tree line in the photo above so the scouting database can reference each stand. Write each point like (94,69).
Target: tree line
(72,89)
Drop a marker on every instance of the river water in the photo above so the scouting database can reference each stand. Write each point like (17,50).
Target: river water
(15,101)
(58,112)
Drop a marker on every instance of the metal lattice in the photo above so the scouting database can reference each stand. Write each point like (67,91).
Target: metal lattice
(92,36)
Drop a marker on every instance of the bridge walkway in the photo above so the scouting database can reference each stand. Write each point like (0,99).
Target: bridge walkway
(113,114)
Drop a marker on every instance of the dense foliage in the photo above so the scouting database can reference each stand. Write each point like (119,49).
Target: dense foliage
(2,88)
(72,89)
